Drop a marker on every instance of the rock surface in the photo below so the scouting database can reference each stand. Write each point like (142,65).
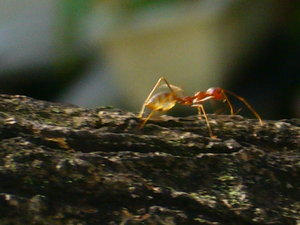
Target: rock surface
(61,164)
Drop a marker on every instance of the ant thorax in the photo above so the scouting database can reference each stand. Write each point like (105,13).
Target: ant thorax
(200,97)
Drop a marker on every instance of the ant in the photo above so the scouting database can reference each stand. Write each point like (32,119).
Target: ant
(164,101)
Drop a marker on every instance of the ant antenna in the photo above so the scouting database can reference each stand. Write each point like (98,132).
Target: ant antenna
(228,102)
(246,103)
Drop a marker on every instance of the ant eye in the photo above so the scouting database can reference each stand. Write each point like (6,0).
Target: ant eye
(212,90)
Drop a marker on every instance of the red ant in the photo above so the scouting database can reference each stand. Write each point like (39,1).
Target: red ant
(164,101)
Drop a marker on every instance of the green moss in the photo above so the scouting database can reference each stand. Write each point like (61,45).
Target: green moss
(226,178)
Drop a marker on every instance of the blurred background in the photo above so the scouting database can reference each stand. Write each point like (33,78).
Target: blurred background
(111,52)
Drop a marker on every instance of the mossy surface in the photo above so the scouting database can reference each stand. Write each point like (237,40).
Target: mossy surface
(61,164)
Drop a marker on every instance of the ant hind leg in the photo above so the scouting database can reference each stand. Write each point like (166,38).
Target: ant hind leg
(140,115)
(144,121)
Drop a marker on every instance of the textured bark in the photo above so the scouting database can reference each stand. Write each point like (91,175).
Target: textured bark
(61,164)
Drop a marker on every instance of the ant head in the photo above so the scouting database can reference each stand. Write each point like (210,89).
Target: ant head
(216,92)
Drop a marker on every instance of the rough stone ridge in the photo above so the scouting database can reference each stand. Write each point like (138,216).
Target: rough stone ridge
(61,164)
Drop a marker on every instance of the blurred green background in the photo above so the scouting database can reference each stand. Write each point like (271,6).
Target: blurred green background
(111,52)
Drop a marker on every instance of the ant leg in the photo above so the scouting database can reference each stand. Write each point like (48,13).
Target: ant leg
(201,110)
(146,119)
(247,104)
(228,102)
(199,113)
(140,115)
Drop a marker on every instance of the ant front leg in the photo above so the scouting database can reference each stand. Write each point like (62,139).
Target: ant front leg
(140,115)
(228,102)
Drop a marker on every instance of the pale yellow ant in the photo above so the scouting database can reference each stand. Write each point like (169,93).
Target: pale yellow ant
(164,101)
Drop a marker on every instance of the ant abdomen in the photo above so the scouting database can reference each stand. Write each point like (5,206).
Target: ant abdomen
(161,101)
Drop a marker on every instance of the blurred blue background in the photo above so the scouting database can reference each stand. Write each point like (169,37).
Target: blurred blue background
(111,52)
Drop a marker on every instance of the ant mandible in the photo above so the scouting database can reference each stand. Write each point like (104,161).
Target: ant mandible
(164,101)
